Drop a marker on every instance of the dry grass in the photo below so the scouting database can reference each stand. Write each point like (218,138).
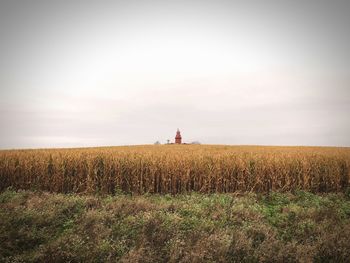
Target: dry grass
(277,227)
(177,169)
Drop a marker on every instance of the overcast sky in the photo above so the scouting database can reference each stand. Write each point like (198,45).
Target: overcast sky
(89,73)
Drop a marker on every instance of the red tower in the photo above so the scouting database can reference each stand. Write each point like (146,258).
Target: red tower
(178,137)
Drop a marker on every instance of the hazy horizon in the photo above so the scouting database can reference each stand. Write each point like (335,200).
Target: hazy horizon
(99,73)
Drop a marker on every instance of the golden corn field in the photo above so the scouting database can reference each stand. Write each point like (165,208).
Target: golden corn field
(177,169)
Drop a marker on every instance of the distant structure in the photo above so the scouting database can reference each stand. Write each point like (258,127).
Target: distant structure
(178,137)
(178,140)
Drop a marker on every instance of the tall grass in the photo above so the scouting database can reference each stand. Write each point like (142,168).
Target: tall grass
(177,169)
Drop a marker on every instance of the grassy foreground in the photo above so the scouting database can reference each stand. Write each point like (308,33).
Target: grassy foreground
(298,227)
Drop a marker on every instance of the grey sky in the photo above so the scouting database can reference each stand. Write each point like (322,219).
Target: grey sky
(88,73)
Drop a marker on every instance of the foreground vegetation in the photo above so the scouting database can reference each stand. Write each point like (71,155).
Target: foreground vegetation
(277,227)
(177,169)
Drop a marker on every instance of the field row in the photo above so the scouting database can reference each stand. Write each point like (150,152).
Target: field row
(177,169)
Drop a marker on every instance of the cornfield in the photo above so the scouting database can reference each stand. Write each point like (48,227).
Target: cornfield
(177,169)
